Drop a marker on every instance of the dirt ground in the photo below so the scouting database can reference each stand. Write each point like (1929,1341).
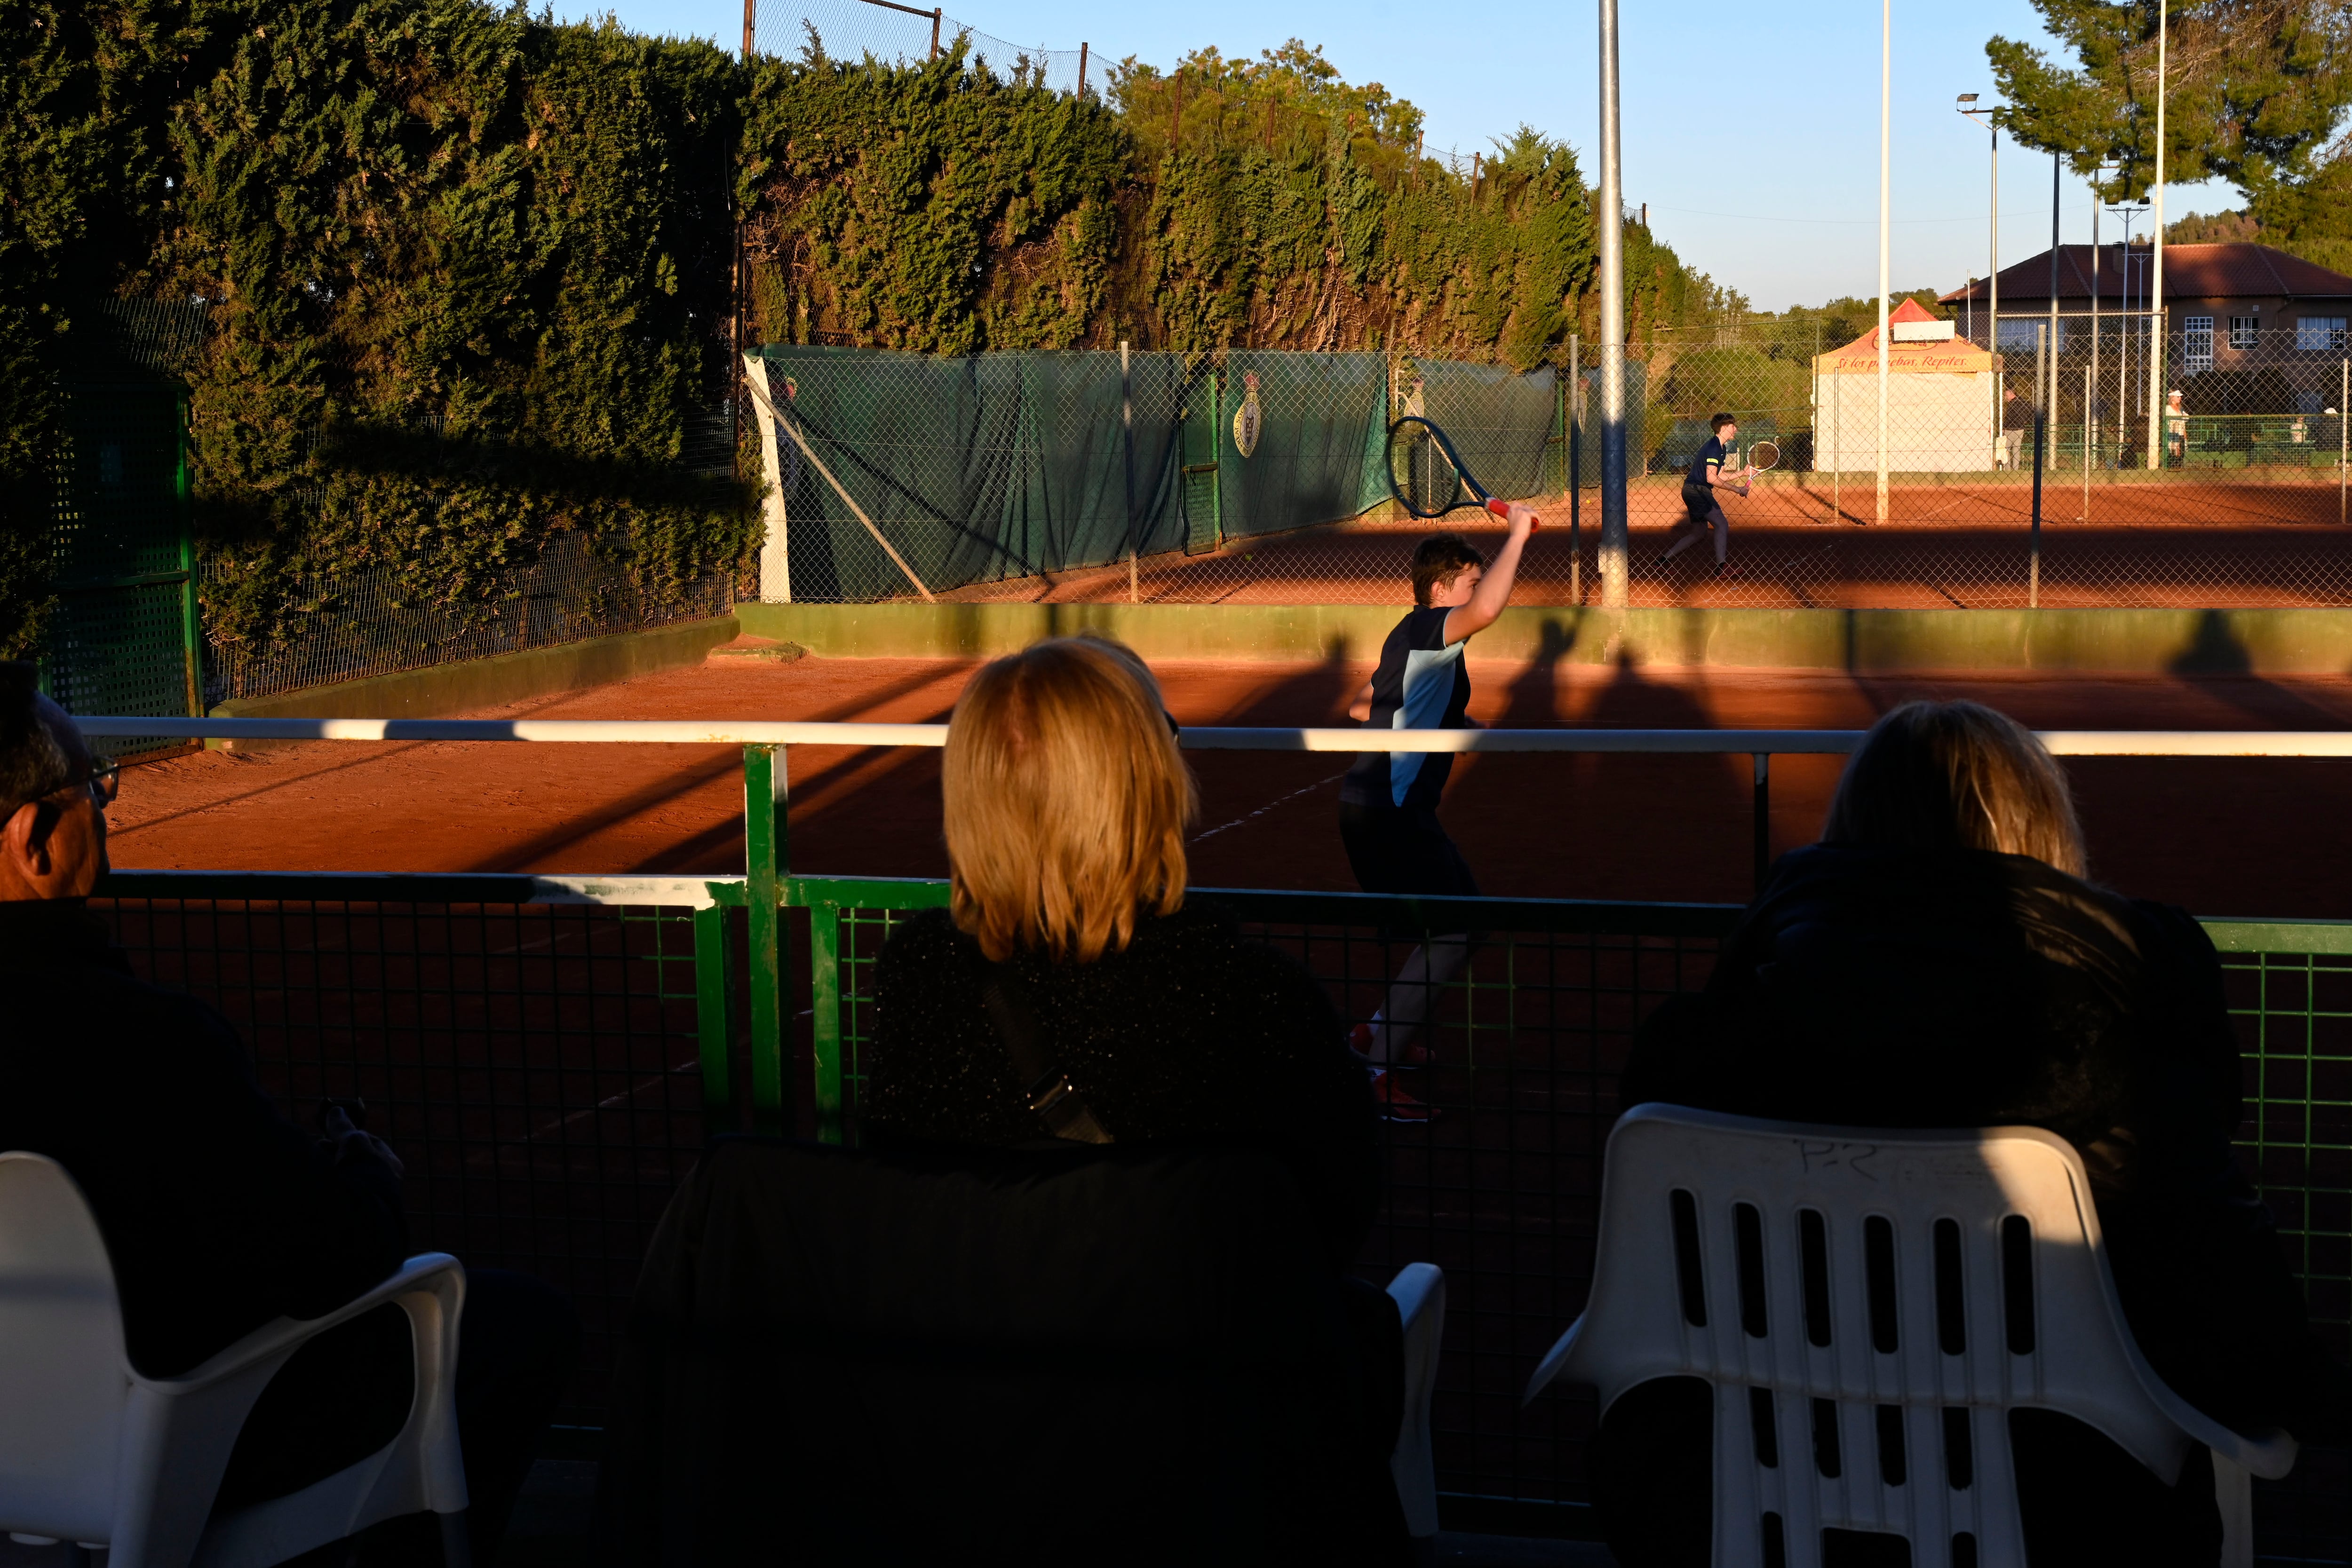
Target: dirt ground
(2224,837)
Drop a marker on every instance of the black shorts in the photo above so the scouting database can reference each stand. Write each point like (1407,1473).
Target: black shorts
(1699,504)
(1403,849)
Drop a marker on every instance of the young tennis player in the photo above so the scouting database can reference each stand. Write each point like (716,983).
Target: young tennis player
(1388,802)
(1704,512)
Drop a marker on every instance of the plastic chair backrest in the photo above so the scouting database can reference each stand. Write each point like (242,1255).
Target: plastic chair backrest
(1866,1305)
(63,1386)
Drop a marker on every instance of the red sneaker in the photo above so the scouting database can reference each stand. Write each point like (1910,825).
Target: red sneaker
(1360,1041)
(1394,1104)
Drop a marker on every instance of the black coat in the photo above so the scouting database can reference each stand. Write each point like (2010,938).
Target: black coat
(1874,988)
(1190,1035)
(219,1215)
(1078,1355)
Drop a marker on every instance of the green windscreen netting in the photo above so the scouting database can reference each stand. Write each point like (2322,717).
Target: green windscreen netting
(1502,423)
(1042,471)
(974,469)
(1322,426)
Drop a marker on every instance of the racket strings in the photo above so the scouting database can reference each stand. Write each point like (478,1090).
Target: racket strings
(1421,475)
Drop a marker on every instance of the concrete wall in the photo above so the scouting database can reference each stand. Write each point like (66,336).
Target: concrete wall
(473,684)
(2179,642)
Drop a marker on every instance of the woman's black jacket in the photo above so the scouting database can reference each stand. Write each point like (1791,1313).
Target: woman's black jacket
(1192,1034)
(1895,988)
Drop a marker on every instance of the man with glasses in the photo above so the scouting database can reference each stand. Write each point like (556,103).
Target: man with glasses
(219,1215)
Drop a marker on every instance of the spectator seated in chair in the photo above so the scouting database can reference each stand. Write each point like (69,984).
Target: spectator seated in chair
(1082,1297)
(1939,961)
(219,1216)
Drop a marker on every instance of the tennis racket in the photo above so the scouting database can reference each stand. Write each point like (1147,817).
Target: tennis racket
(1761,455)
(1426,475)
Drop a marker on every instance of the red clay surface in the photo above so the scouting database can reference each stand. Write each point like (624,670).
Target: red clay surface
(2198,546)
(2224,837)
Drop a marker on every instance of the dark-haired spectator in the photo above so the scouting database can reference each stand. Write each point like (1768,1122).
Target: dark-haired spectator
(219,1215)
(1938,961)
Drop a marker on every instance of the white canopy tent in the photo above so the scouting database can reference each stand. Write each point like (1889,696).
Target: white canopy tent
(1939,400)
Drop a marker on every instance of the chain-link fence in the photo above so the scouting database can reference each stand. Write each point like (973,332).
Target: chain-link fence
(354,624)
(1008,475)
(896,35)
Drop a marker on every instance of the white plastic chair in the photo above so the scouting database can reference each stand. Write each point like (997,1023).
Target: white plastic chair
(1868,1305)
(1418,1292)
(92,1452)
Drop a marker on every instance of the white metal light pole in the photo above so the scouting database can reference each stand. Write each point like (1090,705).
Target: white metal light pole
(1992,306)
(1615,545)
(2156,354)
(1885,112)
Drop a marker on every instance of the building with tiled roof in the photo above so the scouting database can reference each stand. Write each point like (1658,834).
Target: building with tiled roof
(2224,302)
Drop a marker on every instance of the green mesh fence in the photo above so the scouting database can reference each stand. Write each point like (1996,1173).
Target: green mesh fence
(1317,456)
(1507,426)
(1040,475)
(120,640)
(974,469)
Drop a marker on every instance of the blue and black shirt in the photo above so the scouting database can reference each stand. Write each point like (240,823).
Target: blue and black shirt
(1422,684)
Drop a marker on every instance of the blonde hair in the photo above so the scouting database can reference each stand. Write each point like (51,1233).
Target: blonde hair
(1957,775)
(1066,802)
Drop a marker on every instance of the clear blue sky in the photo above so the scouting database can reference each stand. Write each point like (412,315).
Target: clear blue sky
(1752,134)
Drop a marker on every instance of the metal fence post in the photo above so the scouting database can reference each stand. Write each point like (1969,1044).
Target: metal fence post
(2343,446)
(2041,428)
(1575,476)
(2086,442)
(824,1020)
(766,808)
(192,635)
(1763,808)
(1616,545)
(715,1016)
(1127,429)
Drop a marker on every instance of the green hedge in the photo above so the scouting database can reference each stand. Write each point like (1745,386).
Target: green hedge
(470,271)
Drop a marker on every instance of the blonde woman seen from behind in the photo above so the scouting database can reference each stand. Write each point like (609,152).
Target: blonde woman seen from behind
(1065,802)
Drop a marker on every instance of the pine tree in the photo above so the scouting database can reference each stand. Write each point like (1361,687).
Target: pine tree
(2254,91)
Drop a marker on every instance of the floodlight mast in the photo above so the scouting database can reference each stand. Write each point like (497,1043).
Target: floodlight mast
(2156,354)
(1885,117)
(1615,546)
(1992,281)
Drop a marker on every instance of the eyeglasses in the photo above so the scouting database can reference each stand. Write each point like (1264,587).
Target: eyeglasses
(104,781)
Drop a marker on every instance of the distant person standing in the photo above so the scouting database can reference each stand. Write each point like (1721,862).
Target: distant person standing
(1704,512)
(2016,418)
(2176,428)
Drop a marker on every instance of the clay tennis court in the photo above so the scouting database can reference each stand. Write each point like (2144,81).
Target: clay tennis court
(1803,543)
(2223,837)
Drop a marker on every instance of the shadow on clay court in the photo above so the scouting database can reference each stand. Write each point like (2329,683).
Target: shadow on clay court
(718,848)
(1244,795)
(2218,663)
(333,759)
(1692,812)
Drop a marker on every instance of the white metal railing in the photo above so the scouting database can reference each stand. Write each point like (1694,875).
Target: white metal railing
(1700,742)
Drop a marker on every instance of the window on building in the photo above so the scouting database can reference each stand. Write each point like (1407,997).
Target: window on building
(2017,332)
(2319,332)
(2245,331)
(2197,343)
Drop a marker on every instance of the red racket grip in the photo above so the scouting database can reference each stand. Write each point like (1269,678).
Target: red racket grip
(1503,509)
